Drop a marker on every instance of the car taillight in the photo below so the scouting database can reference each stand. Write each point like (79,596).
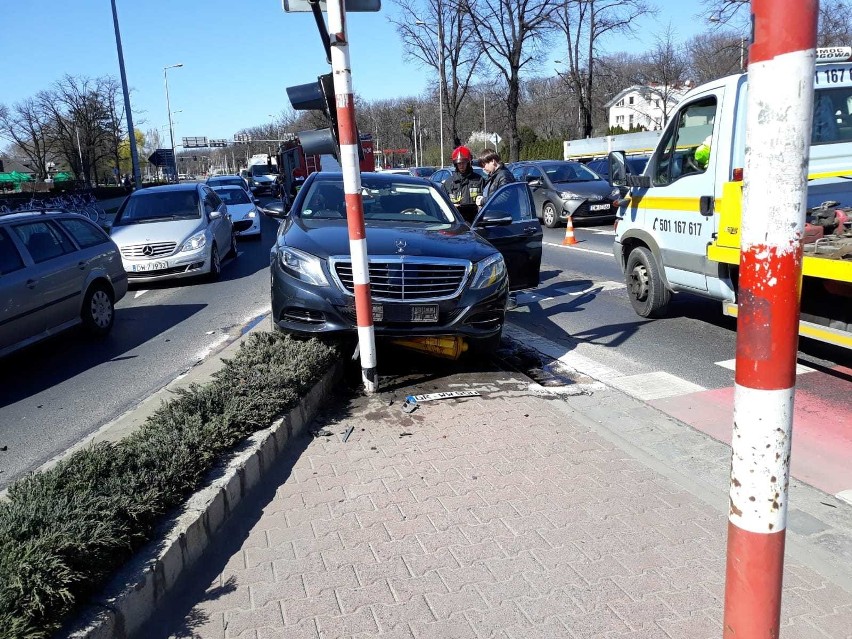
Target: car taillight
(738,175)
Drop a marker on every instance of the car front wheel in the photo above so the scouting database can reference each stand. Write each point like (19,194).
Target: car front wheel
(548,215)
(215,264)
(98,313)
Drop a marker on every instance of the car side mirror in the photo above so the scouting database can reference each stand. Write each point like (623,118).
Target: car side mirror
(276,209)
(492,218)
(214,214)
(533,181)
(617,168)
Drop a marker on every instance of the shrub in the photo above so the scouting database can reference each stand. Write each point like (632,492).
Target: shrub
(63,532)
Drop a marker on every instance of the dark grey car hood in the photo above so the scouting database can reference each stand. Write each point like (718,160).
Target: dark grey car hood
(593,187)
(325,238)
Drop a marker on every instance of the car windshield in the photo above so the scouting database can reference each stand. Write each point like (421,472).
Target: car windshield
(569,172)
(232,195)
(226,181)
(384,201)
(144,206)
(262,169)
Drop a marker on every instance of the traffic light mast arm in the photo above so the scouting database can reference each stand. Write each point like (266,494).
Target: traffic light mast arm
(323,31)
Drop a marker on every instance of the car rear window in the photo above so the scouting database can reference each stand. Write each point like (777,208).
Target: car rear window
(10,259)
(232,196)
(43,241)
(156,207)
(84,233)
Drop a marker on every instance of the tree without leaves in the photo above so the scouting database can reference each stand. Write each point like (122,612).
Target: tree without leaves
(666,69)
(584,23)
(505,31)
(28,126)
(444,47)
(714,55)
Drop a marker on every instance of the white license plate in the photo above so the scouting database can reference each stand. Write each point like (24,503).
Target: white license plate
(149,266)
(599,207)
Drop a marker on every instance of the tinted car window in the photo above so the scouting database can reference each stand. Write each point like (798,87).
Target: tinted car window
(507,200)
(43,242)
(155,207)
(84,233)
(10,259)
(233,196)
(569,172)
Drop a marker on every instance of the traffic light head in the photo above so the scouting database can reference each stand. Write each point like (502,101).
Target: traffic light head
(317,96)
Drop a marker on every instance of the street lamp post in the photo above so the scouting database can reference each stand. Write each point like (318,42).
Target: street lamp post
(439,34)
(169,109)
(131,133)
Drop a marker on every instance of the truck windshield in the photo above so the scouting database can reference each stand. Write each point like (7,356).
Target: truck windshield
(263,169)
(832,116)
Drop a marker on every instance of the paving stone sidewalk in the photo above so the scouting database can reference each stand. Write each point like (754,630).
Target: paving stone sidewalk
(497,516)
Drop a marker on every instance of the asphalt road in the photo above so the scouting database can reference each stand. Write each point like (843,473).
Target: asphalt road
(56,393)
(53,395)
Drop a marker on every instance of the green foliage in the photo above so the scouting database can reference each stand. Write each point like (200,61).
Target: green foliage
(618,129)
(542,150)
(65,531)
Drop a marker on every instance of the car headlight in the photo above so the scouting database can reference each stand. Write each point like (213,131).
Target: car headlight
(489,271)
(197,241)
(570,195)
(615,193)
(301,265)
(251,213)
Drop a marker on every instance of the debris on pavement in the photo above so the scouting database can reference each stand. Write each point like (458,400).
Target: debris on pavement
(348,433)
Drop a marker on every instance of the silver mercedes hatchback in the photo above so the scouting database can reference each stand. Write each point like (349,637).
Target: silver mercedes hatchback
(57,270)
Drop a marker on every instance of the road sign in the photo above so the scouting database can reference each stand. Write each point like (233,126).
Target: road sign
(351,5)
(195,143)
(218,143)
(242,137)
(162,157)
(495,139)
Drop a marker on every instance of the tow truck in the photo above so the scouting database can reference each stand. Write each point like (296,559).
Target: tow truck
(678,224)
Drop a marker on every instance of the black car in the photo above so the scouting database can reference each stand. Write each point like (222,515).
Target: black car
(636,163)
(563,189)
(430,272)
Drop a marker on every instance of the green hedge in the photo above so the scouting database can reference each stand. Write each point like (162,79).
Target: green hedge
(542,150)
(65,531)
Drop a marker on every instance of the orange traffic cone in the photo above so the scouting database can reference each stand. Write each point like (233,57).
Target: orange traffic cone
(569,233)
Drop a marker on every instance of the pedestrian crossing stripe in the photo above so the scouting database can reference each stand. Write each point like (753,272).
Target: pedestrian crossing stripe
(731,364)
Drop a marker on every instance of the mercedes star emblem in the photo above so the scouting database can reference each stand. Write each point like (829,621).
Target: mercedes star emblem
(147,250)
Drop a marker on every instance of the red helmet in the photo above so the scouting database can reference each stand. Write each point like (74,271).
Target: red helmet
(462,153)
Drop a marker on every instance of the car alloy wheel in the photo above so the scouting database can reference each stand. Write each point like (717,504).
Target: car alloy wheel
(234,244)
(215,264)
(548,215)
(98,312)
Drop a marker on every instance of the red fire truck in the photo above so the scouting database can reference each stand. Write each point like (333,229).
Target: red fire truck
(294,166)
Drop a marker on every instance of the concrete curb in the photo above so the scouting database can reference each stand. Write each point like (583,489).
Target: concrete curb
(134,594)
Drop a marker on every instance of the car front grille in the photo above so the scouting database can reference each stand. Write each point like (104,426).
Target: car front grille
(148,251)
(407,279)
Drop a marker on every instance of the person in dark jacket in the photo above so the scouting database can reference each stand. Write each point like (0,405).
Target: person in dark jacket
(464,185)
(498,174)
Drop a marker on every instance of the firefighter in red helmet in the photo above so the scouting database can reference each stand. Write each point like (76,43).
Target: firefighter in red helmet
(464,185)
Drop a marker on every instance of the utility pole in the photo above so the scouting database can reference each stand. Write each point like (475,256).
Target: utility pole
(778,133)
(131,132)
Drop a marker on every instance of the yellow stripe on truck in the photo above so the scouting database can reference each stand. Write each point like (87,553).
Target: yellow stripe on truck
(685,204)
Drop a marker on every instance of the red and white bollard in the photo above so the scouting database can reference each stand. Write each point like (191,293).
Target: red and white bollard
(778,135)
(349,142)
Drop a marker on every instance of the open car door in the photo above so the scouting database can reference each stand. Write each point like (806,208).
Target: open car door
(519,241)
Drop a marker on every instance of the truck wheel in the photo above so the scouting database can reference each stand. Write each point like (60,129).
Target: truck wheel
(548,215)
(648,293)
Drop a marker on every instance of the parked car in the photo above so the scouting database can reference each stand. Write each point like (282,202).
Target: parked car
(636,163)
(173,231)
(430,272)
(243,210)
(228,180)
(422,171)
(563,188)
(57,270)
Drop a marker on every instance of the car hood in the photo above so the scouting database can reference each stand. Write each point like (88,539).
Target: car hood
(264,178)
(595,187)
(239,211)
(166,231)
(331,237)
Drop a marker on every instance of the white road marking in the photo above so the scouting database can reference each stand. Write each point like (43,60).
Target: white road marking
(731,364)
(574,248)
(845,495)
(657,385)
(600,231)
(140,293)
(597,287)
(526,297)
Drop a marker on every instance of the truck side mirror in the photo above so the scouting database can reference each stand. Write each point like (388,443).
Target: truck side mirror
(617,168)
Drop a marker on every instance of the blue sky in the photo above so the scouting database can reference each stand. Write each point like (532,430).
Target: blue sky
(238,57)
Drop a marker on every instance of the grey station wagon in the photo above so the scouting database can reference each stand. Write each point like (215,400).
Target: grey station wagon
(57,270)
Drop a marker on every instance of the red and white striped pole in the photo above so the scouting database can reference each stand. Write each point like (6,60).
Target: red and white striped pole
(349,142)
(778,134)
